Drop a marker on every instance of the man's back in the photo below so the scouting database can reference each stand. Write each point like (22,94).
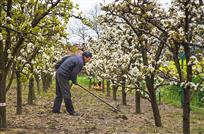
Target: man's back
(71,66)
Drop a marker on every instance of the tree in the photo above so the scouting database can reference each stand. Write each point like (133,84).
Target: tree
(180,30)
(185,28)
(135,15)
(19,21)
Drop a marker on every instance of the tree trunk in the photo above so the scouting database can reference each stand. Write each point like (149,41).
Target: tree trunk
(153,99)
(19,93)
(3,123)
(47,81)
(186,111)
(149,81)
(103,85)
(124,94)
(90,80)
(31,91)
(155,109)
(44,84)
(186,101)
(37,83)
(159,97)
(137,102)
(115,88)
(108,88)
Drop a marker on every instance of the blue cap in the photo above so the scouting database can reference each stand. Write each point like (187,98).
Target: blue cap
(87,54)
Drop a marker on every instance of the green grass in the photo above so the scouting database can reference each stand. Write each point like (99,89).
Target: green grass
(83,80)
(199,110)
(173,95)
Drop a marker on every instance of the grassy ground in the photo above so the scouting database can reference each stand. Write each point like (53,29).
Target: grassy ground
(172,95)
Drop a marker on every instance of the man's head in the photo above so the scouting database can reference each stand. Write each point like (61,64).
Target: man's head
(87,56)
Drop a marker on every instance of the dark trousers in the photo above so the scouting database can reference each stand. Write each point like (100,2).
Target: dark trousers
(62,92)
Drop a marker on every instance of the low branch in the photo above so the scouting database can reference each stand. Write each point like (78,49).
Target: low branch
(11,29)
(163,75)
(37,18)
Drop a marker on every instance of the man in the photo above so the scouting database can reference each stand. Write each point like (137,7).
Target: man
(68,70)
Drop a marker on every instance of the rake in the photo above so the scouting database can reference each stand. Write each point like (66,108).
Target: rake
(114,108)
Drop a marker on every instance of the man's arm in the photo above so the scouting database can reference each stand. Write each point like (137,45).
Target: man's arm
(74,80)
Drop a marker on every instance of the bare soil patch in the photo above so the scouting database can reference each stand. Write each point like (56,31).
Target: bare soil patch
(96,117)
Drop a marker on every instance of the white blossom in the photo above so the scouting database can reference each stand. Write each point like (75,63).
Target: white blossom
(1,37)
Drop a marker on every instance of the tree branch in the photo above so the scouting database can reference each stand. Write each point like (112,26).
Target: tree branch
(37,18)
(8,28)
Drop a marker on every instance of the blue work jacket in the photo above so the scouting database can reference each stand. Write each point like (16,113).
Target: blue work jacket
(71,67)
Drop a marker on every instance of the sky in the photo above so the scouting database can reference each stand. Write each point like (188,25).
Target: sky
(87,5)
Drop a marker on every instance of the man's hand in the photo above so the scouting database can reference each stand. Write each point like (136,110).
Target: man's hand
(75,83)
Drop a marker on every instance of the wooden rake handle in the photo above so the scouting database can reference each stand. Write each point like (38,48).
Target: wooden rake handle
(114,108)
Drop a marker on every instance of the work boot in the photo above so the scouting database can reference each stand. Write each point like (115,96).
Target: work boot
(74,114)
